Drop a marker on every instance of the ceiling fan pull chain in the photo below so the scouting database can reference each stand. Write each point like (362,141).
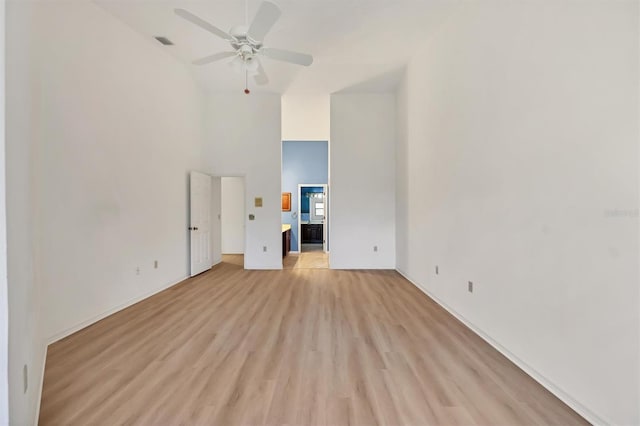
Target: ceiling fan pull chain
(246,83)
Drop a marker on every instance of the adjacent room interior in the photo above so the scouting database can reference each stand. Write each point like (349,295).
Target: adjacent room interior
(341,212)
(305,186)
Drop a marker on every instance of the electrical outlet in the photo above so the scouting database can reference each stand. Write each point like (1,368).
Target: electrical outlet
(155,264)
(437,271)
(470,287)
(264,248)
(375,248)
(25,378)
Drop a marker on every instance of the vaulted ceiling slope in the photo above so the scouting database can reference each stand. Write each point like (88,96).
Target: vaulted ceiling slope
(352,41)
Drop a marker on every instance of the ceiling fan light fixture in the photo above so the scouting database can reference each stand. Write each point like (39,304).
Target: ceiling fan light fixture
(245,50)
(237,64)
(252,64)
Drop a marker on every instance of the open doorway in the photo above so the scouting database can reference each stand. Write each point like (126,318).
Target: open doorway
(229,225)
(305,187)
(313,217)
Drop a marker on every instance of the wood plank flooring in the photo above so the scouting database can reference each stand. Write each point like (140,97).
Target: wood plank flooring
(291,347)
(306,260)
(234,259)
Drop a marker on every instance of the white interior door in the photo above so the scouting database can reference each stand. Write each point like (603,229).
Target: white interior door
(318,212)
(200,222)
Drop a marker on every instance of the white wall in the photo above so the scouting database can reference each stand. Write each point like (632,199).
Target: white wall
(305,117)
(26,345)
(104,128)
(233,216)
(518,170)
(120,129)
(243,139)
(362,192)
(4,294)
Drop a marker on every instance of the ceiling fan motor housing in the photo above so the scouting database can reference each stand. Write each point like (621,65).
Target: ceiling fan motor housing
(246,51)
(243,43)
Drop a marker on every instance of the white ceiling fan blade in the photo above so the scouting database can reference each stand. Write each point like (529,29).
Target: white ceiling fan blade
(202,24)
(267,15)
(261,77)
(287,56)
(214,57)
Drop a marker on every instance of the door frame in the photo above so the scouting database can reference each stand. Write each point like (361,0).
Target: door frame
(325,222)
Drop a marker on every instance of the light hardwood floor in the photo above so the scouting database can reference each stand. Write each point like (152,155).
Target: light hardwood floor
(295,347)
(308,260)
(233,259)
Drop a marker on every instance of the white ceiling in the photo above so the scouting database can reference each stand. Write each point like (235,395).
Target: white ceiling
(356,44)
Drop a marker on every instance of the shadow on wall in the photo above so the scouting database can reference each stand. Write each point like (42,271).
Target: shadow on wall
(385,82)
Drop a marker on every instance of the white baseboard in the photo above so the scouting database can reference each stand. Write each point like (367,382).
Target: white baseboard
(362,267)
(262,268)
(73,329)
(40,385)
(298,251)
(563,396)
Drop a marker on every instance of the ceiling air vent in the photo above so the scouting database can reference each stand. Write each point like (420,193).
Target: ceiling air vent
(164,40)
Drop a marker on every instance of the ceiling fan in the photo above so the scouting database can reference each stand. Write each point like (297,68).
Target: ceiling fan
(247,43)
